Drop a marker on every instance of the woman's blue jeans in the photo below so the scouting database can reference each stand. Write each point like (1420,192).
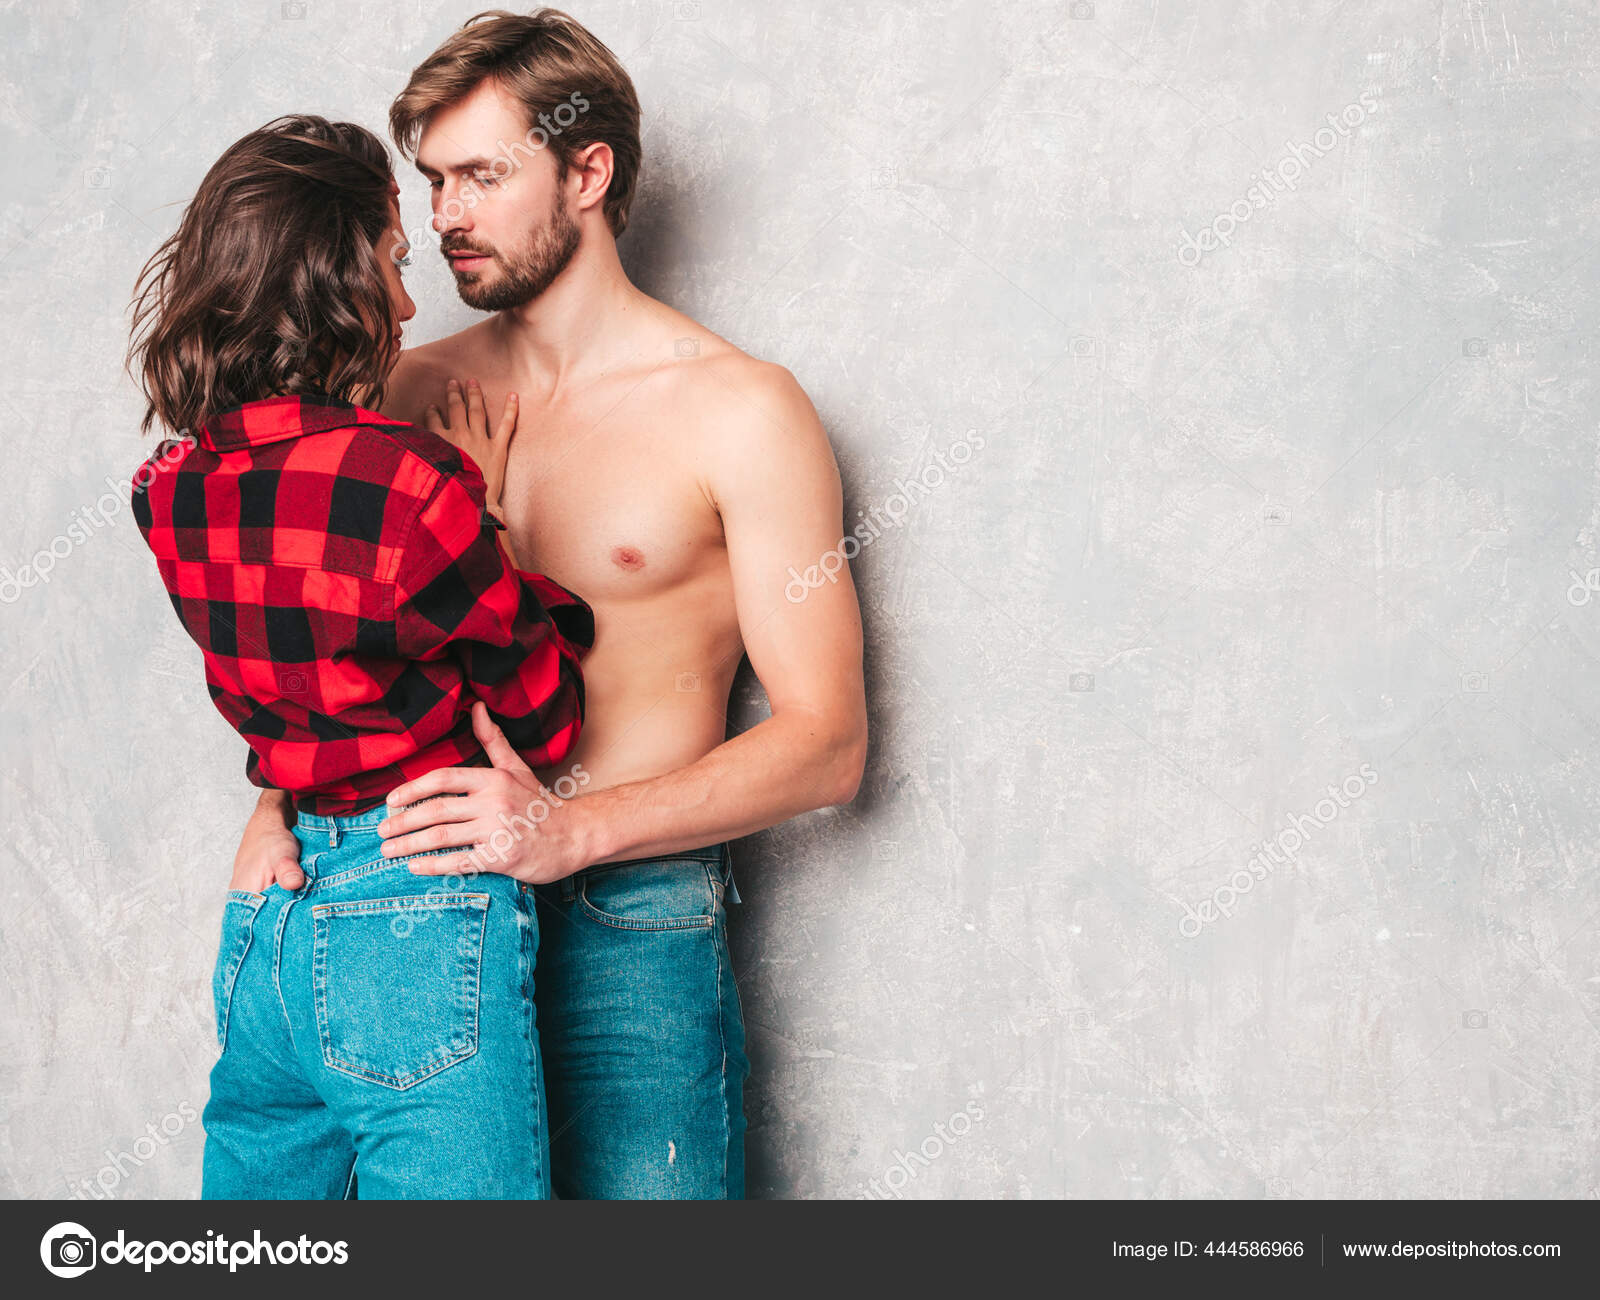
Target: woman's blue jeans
(378,1033)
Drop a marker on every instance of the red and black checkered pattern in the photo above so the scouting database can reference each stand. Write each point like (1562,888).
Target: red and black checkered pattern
(341,575)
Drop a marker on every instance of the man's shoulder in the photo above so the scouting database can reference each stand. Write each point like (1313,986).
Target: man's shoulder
(445,351)
(419,375)
(751,422)
(730,390)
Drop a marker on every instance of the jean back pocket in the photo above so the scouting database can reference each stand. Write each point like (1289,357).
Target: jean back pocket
(238,925)
(396,984)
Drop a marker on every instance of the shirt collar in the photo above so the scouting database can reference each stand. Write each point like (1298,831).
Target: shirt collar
(275,418)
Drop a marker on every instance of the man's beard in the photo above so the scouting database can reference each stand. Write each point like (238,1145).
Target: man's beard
(524,279)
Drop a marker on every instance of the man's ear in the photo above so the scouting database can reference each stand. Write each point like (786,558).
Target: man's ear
(594,165)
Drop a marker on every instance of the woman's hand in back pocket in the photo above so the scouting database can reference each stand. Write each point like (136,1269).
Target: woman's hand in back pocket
(269,853)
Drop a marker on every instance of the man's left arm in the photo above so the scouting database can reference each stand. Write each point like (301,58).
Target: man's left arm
(776,487)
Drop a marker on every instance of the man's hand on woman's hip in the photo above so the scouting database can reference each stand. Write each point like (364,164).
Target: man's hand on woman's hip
(504,819)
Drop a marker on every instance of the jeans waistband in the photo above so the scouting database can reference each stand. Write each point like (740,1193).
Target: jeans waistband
(332,830)
(711,853)
(335,828)
(719,856)
(339,825)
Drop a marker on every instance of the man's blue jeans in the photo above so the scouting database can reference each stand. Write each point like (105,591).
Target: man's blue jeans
(378,1034)
(640,1023)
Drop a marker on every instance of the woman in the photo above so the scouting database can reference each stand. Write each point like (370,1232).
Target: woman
(353,593)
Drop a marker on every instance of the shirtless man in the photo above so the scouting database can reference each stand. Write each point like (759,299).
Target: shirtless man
(674,482)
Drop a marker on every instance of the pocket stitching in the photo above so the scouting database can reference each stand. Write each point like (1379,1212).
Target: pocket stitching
(362,872)
(628,923)
(224,1013)
(476,907)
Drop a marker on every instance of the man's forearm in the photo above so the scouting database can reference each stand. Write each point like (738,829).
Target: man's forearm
(787,765)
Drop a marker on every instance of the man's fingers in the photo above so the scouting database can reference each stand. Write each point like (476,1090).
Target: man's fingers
(494,741)
(450,864)
(508,419)
(477,416)
(434,420)
(436,812)
(442,780)
(286,871)
(435,839)
(458,408)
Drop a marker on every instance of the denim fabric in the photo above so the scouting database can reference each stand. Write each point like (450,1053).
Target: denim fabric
(377,1031)
(641,1028)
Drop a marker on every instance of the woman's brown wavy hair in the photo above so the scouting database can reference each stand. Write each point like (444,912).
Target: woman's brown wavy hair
(272,283)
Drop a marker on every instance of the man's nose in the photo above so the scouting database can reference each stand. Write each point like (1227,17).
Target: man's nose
(451,211)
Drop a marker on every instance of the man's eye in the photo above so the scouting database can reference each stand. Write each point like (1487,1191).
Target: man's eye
(487,181)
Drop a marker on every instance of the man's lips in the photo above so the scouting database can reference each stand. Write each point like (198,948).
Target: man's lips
(467,261)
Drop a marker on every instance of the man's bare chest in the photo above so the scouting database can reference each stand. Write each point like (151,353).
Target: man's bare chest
(608,508)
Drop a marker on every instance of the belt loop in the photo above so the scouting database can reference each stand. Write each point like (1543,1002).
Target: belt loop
(569,891)
(727,872)
(333,836)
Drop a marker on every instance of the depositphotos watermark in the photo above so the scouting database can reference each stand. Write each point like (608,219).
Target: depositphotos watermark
(1272,181)
(908,1164)
(117,1167)
(97,515)
(892,513)
(1584,587)
(1280,851)
(71,1250)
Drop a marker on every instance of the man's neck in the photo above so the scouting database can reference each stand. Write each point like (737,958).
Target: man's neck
(586,323)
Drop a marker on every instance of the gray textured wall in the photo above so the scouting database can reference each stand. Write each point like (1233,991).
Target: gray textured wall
(1248,521)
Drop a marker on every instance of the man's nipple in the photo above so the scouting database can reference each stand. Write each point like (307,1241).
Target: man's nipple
(630,558)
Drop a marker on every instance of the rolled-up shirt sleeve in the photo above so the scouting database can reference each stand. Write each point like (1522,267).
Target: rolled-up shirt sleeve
(518,638)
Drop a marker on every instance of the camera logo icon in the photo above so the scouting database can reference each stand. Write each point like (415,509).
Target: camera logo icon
(68,1250)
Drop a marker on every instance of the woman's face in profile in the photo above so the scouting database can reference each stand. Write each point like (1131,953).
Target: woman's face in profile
(393,251)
